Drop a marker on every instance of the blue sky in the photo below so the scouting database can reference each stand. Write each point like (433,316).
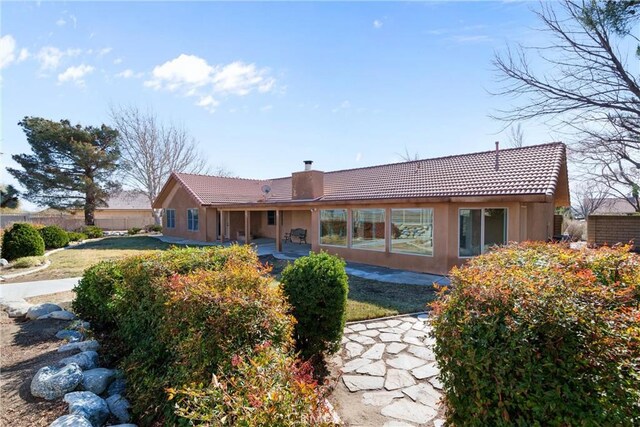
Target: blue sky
(263,86)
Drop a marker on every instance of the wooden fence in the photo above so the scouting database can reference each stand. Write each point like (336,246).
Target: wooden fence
(69,222)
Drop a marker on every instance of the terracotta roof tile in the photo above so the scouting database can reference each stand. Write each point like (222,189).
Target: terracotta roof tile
(532,170)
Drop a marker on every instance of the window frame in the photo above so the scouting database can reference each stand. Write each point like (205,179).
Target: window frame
(433,221)
(346,211)
(385,227)
(173,211)
(191,220)
(482,209)
(271,220)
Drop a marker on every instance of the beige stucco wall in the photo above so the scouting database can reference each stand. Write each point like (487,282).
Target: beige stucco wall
(180,200)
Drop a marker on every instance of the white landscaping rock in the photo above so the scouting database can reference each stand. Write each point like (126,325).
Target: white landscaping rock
(424,393)
(422,352)
(89,405)
(58,315)
(119,407)
(426,371)
(376,369)
(51,383)
(405,409)
(36,311)
(395,347)
(397,378)
(71,421)
(353,349)
(361,339)
(15,308)
(86,360)
(91,345)
(357,327)
(97,380)
(355,364)
(370,333)
(375,352)
(3,262)
(387,337)
(380,398)
(376,325)
(404,361)
(393,323)
(435,381)
(362,382)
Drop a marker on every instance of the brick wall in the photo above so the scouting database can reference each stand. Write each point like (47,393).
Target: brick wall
(612,229)
(557,225)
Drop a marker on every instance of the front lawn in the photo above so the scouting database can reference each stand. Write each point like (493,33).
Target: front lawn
(370,299)
(73,261)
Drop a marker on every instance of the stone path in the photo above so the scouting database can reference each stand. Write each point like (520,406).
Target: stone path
(389,374)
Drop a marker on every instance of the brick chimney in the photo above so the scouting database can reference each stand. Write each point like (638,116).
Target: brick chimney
(307,184)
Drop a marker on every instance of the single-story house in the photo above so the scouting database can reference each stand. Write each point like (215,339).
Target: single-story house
(423,215)
(615,206)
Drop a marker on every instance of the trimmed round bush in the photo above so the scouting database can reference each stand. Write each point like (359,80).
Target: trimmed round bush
(92,231)
(540,334)
(317,287)
(74,236)
(21,240)
(54,237)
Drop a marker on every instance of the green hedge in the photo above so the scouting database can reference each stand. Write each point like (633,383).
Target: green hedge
(181,317)
(92,231)
(21,240)
(540,334)
(317,287)
(75,236)
(54,237)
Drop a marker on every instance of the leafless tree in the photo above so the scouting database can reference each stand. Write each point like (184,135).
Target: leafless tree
(585,87)
(516,136)
(151,150)
(587,197)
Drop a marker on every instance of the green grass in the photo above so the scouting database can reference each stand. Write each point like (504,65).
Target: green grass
(73,261)
(370,299)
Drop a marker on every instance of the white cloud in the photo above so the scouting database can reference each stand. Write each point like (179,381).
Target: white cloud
(192,76)
(377,24)
(266,108)
(358,157)
(24,54)
(75,74)
(7,50)
(61,22)
(104,51)
(344,105)
(129,73)
(50,57)
(117,61)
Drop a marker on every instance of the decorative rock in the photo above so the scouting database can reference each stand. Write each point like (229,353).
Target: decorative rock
(423,393)
(91,345)
(435,381)
(361,339)
(344,340)
(36,311)
(422,352)
(405,326)
(355,364)
(395,347)
(375,352)
(390,337)
(380,398)
(71,421)
(393,323)
(117,387)
(3,262)
(79,325)
(429,341)
(415,334)
(393,331)
(71,336)
(362,382)
(353,349)
(97,380)
(370,333)
(404,361)
(376,325)
(15,307)
(119,407)
(85,360)
(438,423)
(347,330)
(357,327)
(412,340)
(422,317)
(88,405)
(397,378)
(51,383)
(418,326)
(426,371)
(407,410)
(376,369)
(58,315)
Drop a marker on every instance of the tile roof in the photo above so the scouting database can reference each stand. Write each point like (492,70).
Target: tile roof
(532,170)
(127,199)
(614,205)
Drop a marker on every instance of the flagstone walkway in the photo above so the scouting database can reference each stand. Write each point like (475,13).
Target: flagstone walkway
(389,374)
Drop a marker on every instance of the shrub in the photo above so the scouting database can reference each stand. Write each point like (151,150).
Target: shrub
(540,334)
(92,231)
(576,230)
(156,228)
(21,240)
(133,231)
(178,317)
(317,287)
(28,262)
(54,237)
(74,236)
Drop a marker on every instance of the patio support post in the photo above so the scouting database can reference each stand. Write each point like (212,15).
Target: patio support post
(223,225)
(278,232)
(247,227)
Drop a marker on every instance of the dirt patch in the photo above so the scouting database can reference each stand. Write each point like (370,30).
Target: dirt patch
(26,347)
(63,299)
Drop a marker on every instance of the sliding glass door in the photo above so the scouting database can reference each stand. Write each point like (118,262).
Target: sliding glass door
(480,229)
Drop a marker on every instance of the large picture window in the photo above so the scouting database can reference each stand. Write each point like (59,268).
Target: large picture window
(480,229)
(368,229)
(192,219)
(333,227)
(412,231)
(171,218)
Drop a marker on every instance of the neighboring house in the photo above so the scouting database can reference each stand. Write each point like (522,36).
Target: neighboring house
(124,210)
(614,206)
(424,215)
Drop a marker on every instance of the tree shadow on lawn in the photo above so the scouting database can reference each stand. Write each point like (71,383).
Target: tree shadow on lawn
(129,242)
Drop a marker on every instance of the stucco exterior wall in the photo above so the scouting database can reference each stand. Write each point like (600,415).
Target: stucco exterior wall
(180,200)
